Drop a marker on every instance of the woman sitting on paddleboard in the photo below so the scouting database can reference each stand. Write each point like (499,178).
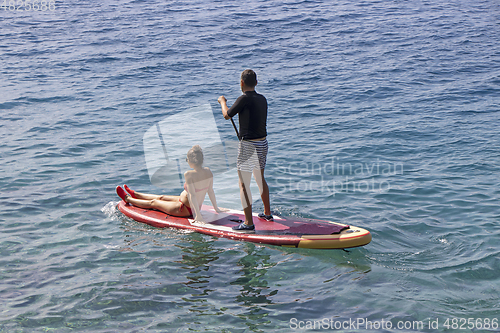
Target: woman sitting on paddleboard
(199,182)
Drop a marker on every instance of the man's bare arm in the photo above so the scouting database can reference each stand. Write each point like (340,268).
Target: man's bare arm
(223,103)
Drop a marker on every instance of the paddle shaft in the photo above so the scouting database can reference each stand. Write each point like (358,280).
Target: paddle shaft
(234,125)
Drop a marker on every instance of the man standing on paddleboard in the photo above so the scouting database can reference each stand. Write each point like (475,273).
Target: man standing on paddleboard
(252,149)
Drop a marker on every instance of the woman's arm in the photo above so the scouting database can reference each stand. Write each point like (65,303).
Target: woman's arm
(211,195)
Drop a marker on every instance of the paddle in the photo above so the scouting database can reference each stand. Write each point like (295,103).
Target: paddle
(237,133)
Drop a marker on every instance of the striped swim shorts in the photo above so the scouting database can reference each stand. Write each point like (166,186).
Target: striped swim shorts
(252,155)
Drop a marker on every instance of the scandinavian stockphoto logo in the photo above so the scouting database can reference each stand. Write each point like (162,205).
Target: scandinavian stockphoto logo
(336,176)
(167,143)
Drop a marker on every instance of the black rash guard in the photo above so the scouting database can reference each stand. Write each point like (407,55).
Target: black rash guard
(252,110)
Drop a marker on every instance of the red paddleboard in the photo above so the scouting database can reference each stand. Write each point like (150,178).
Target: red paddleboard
(290,232)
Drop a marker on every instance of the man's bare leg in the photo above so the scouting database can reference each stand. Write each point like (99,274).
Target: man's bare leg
(246,195)
(264,190)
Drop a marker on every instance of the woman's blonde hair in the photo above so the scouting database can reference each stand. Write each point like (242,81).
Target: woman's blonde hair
(195,155)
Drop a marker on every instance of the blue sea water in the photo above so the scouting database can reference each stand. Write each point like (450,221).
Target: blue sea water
(383,114)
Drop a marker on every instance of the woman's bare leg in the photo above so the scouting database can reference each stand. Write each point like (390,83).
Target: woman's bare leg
(141,203)
(169,207)
(145,196)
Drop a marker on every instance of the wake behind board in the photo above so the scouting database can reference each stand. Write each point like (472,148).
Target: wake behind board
(289,232)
